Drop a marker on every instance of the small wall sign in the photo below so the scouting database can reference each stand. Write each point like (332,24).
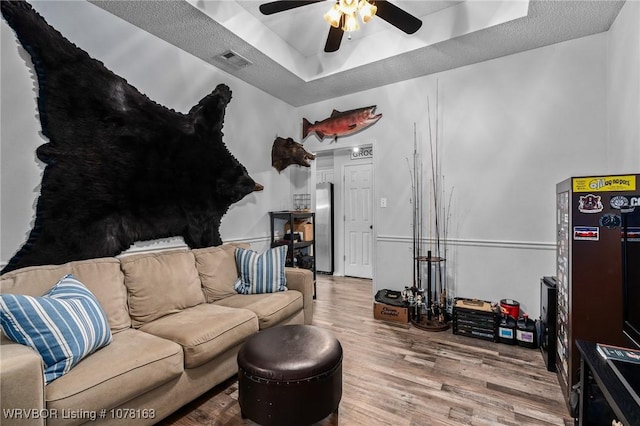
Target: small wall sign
(362,152)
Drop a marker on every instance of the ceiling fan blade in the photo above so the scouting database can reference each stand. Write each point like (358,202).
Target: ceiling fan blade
(333,39)
(397,17)
(280,6)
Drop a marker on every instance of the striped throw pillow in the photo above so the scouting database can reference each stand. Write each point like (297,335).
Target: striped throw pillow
(261,273)
(64,326)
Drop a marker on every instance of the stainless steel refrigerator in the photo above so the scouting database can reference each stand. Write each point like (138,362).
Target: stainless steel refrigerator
(324,228)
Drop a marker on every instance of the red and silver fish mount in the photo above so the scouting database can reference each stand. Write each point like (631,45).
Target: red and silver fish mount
(341,123)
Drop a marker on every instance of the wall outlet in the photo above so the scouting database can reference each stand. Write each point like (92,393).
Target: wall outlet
(383,202)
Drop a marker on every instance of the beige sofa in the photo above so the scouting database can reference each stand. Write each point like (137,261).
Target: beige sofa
(177,325)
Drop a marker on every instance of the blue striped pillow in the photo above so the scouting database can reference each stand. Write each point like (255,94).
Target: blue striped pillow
(261,273)
(64,326)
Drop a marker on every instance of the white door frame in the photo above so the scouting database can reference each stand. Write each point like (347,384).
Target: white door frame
(345,239)
(341,157)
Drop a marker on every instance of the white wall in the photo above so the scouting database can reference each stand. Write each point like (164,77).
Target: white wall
(168,76)
(509,130)
(623,89)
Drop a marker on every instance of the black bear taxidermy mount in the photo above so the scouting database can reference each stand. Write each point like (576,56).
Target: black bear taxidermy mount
(286,152)
(120,168)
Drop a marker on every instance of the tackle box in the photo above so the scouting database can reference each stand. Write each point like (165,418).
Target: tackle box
(475,318)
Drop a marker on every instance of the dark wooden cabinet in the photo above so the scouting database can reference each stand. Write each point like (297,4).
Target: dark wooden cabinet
(296,230)
(589,271)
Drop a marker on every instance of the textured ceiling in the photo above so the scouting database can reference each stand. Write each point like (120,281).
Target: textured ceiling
(286,48)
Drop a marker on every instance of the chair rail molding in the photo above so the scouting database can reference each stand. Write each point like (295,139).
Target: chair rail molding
(525,245)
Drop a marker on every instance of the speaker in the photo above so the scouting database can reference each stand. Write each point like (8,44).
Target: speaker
(548,321)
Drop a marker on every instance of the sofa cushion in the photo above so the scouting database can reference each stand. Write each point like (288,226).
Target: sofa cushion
(134,363)
(271,308)
(218,270)
(261,273)
(102,277)
(64,326)
(159,284)
(204,331)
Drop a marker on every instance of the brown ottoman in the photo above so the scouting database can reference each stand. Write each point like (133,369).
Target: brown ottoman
(290,375)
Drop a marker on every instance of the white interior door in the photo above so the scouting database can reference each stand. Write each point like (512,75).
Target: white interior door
(358,226)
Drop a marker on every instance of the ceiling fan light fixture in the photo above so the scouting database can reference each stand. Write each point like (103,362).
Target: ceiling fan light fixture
(350,23)
(333,16)
(367,10)
(349,6)
(342,16)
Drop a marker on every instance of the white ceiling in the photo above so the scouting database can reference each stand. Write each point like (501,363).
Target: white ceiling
(286,49)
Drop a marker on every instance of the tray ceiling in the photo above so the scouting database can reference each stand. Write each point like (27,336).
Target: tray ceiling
(286,49)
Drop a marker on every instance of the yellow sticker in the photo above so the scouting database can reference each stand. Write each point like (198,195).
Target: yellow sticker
(605,183)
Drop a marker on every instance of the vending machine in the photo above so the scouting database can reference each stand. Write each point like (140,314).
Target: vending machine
(589,265)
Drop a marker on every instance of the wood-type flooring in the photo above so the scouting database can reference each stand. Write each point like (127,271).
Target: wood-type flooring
(396,374)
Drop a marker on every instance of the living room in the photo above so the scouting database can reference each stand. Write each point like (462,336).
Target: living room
(579,120)
(510,129)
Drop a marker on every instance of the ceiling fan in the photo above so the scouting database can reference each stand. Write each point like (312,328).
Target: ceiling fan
(342,16)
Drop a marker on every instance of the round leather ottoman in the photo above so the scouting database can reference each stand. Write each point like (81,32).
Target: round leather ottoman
(290,375)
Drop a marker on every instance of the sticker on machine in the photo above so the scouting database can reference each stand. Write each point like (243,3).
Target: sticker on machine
(610,220)
(586,233)
(605,183)
(590,203)
(620,201)
(633,234)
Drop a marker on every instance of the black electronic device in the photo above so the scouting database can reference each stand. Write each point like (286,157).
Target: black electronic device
(629,375)
(608,390)
(548,318)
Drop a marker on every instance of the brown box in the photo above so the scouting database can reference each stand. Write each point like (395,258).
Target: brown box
(386,312)
(305,228)
(307,231)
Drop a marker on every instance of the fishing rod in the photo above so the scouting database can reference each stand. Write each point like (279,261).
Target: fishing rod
(412,201)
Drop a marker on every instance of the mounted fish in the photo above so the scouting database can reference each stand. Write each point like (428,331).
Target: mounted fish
(341,123)
(286,152)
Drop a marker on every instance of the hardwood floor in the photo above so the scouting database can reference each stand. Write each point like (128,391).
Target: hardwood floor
(396,374)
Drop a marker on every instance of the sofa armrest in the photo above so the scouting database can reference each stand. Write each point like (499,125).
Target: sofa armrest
(302,280)
(21,384)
